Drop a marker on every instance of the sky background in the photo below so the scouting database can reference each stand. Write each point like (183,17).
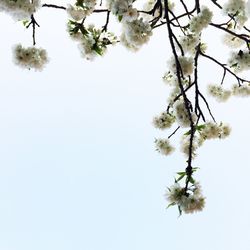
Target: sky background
(78,169)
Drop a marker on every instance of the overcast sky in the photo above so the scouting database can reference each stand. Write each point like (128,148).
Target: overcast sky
(78,169)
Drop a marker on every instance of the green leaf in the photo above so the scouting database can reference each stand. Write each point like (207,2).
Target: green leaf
(170,205)
(192,180)
(200,127)
(83,30)
(25,22)
(181,173)
(98,50)
(79,3)
(195,169)
(120,18)
(188,133)
(181,177)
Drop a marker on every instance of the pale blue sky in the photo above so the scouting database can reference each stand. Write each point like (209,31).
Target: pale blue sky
(78,170)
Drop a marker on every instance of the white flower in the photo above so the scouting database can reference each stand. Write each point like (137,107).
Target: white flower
(91,41)
(89,5)
(164,120)
(213,130)
(237,9)
(190,201)
(201,21)
(240,60)
(20,9)
(131,15)
(30,57)
(225,131)
(189,42)
(218,92)
(242,90)
(232,41)
(174,193)
(182,115)
(78,12)
(135,34)
(192,204)
(186,63)
(163,146)
(185,145)
(86,47)
(118,7)
(173,94)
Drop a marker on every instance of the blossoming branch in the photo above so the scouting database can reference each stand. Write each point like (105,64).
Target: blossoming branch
(187,113)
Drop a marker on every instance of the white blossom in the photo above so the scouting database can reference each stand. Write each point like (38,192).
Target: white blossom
(20,9)
(189,42)
(232,41)
(75,13)
(237,9)
(135,34)
(30,57)
(225,131)
(163,146)
(240,61)
(164,120)
(86,47)
(190,201)
(175,91)
(174,193)
(182,115)
(218,92)
(118,7)
(130,15)
(185,145)
(213,130)
(91,41)
(186,63)
(200,21)
(80,11)
(242,90)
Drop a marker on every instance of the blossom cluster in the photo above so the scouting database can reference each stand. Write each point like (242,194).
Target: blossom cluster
(218,92)
(189,42)
(240,60)
(135,34)
(30,57)
(163,146)
(201,21)
(182,115)
(91,41)
(184,109)
(164,120)
(243,90)
(188,200)
(20,9)
(221,94)
(81,9)
(236,9)
(186,65)
(232,41)
(206,131)
(118,7)
(212,130)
